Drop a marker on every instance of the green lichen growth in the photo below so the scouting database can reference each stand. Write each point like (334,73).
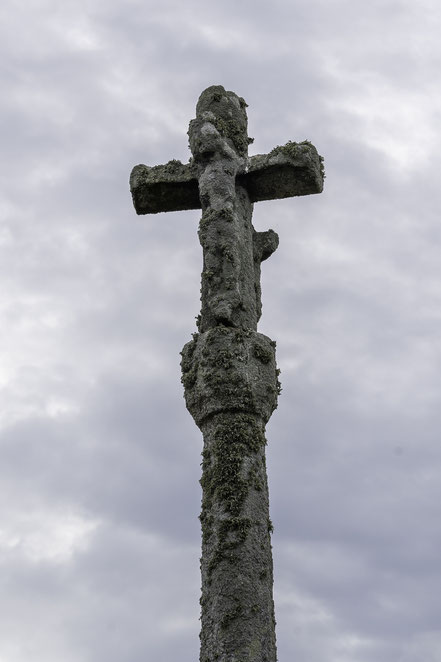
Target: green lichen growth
(231,130)
(240,334)
(232,532)
(224,482)
(207,275)
(293,150)
(255,480)
(227,252)
(231,616)
(223,468)
(188,366)
(172,166)
(210,216)
(223,359)
(278,382)
(216,378)
(262,353)
(322,166)
(189,377)
(233,462)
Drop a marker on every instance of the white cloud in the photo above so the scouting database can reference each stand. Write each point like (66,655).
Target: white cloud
(53,536)
(399,124)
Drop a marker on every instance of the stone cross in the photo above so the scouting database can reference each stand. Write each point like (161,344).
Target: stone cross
(229,370)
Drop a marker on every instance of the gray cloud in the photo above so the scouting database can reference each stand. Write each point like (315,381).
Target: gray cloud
(99,538)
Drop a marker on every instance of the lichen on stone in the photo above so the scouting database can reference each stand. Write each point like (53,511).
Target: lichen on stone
(229,372)
(294,149)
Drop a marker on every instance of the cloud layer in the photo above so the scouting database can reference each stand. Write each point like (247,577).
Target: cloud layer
(99,538)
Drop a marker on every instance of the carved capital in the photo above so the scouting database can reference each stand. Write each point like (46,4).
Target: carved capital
(230,370)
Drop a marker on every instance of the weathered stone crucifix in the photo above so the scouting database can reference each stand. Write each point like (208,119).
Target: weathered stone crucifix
(229,370)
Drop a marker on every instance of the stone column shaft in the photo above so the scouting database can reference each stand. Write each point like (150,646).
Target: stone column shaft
(231,389)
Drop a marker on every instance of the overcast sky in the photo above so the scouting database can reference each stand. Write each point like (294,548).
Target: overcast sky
(99,459)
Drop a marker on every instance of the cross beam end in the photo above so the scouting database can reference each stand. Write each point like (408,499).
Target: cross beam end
(169,187)
(291,170)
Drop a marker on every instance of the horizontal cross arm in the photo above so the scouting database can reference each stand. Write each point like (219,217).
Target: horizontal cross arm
(291,170)
(169,187)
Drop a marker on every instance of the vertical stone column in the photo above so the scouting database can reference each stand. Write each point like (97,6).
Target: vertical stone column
(231,386)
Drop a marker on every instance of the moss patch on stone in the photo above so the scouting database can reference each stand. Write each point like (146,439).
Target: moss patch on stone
(293,149)
(231,130)
(223,482)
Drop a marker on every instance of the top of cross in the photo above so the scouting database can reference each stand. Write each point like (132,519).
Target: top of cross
(220,127)
(224,182)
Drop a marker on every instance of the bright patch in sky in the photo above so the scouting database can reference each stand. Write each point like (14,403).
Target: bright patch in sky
(400,123)
(53,536)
